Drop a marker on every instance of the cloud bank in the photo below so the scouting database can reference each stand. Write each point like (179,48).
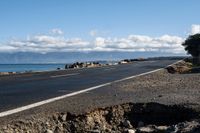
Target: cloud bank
(56,41)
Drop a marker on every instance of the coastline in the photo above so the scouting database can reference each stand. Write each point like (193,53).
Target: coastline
(62,66)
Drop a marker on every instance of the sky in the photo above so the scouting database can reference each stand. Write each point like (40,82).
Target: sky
(97,25)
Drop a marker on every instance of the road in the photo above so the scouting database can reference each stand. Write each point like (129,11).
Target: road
(24,89)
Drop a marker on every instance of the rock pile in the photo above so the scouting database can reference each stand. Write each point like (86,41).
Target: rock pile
(7,73)
(97,64)
(181,67)
(125,118)
(131,60)
(83,65)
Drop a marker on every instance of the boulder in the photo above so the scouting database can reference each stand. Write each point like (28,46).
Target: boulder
(127,124)
(146,130)
(131,131)
(48,131)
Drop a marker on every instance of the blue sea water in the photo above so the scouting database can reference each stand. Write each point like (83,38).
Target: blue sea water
(38,67)
(29,67)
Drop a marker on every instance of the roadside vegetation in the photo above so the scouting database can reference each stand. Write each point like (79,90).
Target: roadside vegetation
(192,46)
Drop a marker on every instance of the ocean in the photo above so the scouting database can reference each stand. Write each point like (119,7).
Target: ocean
(40,67)
(29,67)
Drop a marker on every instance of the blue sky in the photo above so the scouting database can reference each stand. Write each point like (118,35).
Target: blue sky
(95,20)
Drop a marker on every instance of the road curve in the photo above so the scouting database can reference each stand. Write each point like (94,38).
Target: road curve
(24,89)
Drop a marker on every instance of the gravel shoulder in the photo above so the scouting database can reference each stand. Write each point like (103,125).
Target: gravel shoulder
(160,87)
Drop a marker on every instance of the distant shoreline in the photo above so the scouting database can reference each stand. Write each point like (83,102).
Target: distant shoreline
(7,69)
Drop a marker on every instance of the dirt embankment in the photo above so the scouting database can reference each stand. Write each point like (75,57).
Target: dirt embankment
(160,102)
(183,67)
(125,118)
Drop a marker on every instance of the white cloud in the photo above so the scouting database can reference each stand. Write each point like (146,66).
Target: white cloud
(164,43)
(5,48)
(46,43)
(195,29)
(57,42)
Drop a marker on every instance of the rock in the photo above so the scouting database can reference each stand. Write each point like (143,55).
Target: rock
(181,67)
(66,66)
(146,130)
(108,130)
(5,128)
(127,124)
(55,117)
(171,69)
(122,62)
(64,117)
(176,128)
(162,128)
(57,130)
(172,129)
(48,131)
(4,73)
(131,131)
(189,127)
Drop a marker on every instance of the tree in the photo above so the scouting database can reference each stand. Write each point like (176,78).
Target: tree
(192,46)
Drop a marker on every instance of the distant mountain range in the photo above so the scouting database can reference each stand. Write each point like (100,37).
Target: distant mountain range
(69,57)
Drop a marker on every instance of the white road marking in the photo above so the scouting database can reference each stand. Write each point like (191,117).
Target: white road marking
(20,109)
(65,75)
(30,106)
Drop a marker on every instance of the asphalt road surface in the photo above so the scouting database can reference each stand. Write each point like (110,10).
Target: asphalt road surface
(23,89)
